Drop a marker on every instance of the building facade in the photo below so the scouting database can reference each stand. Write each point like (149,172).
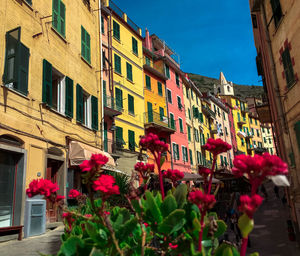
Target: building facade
(49,98)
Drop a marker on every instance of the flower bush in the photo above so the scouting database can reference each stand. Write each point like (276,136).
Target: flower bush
(154,223)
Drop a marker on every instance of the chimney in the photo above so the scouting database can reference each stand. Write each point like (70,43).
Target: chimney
(147,40)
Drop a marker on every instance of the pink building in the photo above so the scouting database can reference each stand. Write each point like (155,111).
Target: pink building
(175,105)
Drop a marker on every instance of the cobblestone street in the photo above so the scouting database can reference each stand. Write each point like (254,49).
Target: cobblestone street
(48,243)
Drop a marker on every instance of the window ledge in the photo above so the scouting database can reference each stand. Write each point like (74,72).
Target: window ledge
(56,111)
(130,81)
(290,87)
(278,25)
(120,74)
(136,54)
(118,40)
(131,114)
(86,127)
(84,60)
(149,89)
(59,35)
(27,4)
(16,92)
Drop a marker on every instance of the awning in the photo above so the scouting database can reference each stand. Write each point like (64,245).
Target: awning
(196,177)
(78,152)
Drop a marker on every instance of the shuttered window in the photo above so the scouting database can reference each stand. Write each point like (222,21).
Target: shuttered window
(189,113)
(102,25)
(176,151)
(159,89)
(16,62)
(277,12)
(179,102)
(134,46)
(167,71)
(169,96)
(172,121)
(131,140)
(116,30)
(59,17)
(94,113)
(129,71)
(85,45)
(69,97)
(47,83)
(29,2)
(119,137)
(177,79)
(184,154)
(189,133)
(191,156)
(180,125)
(148,82)
(130,104)
(118,64)
(79,103)
(201,117)
(288,67)
(119,98)
(161,113)
(297,132)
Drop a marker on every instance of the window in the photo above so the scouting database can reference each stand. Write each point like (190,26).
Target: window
(16,62)
(196,132)
(222,162)
(118,64)
(187,92)
(239,117)
(254,20)
(119,137)
(29,2)
(259,145)
(102,25)
(148,82)
(150,112)
(297,132)
(85,45)
(175,151)
(254,142)
(270,140)
(130,104)
(159,88)
(224,116)
(255,121)
(57,90)
(116,30)
(263,130)
(237,103)
(198,157)
(197,101)
(271,151)
(179,102)
(268,130)
(129,71)
(191,156)
(180,125)
(228,88)
(257,133)
(215,109)
(169,96)
(226,131)
(265,140)
(177,79)
(131,140)
(192,94)
(172,121)
(135,46)
(277,12)
(184,154)
(148,62)
(252,131)
(167,71)
(58,16)
(189,133)
(161,113)
(288,67)
(119,98)
(189,113)
(86,108)
(242,141)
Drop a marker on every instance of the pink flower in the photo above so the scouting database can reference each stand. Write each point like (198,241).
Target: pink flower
(69,219)
(42,187)
(105,184)
(144,169)
(173,246)
(146,224)
(202,200)
(99,159)
(59,198)
(74,193)
(217,146)
(203,171)
(86,166)
(106,213)
(88,215)
(249,205)
(152,142)
(173,175)
(274,165)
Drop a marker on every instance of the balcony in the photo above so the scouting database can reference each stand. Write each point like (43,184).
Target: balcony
(208,112)
(159,122)
(213,129)
(241,134)
(241,122)
(205,163)
(110,106)
(244,110)
(249,135)
(111,147)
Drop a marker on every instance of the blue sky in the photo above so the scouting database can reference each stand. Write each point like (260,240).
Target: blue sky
(209,36)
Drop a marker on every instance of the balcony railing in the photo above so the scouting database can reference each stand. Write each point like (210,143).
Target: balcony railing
(160,121)
(249,135)
(133,25)
(244,109)
(110,103)
(116,9)
(207,111)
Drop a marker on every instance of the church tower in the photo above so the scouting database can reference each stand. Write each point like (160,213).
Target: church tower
(224,87)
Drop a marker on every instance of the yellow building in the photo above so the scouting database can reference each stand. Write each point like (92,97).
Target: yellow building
(49,98)
(255,130)
(268,139)
(127,85)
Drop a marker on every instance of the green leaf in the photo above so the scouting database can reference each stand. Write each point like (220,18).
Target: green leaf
(245,224)
(162,160)
(214,214)
(174,222)
(153,207)
(98,235)
(98,202)
(196,224)
(136,206)
(254,254)
(180,195)
(126,229)
(168,205)
(226,250)
(221,228)
(96,252)
(158,199)
(71,246)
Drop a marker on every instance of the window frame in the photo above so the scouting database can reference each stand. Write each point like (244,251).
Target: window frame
(129,72)
(117,67)
(168,90)
(85,45)
(130,103)
(148,82)
(116,31)
(135,48)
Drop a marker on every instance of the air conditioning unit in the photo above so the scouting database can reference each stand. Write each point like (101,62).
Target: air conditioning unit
(35,217)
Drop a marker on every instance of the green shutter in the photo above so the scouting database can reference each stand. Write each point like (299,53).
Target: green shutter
(62,19)
(172,121)
(131,140)
(134,46)
(118,64)
(59,17)
(150,112)
(177,151)
(69,97)
(177,79)
(189,133)
(116,30)
(201,117)
(180,125)
(297,132)
(148,82)
(29,2)
(119,137)
(189,112)
(119,98)
(161,113)
(47,82)
(191,156)
(104,94)
(102,25)
(23,66)
(83,42)
(159,88)
(79,103)
(94,113)
(167,71)
(130,104)
(105,141)
(55,15)
(85,45)
(129,71)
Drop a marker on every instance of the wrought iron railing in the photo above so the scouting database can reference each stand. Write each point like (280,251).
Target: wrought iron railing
(112,103)
(159,119)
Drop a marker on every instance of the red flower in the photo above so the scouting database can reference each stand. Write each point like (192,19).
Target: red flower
(69,220)
(99,159)
(249,205)
(106,213)
(74,193)
(144,169)
(88,215)
(42,187)
(202,200)
(203,171)
(152,142)
(146,224)
(173,246)
(274,165)
(173,175)
(86,166)
(105,184)
(217,146)
(59,198)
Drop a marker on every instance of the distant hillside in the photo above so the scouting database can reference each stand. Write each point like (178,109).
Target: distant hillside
(206,84)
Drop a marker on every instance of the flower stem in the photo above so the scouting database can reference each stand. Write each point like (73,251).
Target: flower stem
(161,182)
(201,231)
(244,246)
(211,175)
